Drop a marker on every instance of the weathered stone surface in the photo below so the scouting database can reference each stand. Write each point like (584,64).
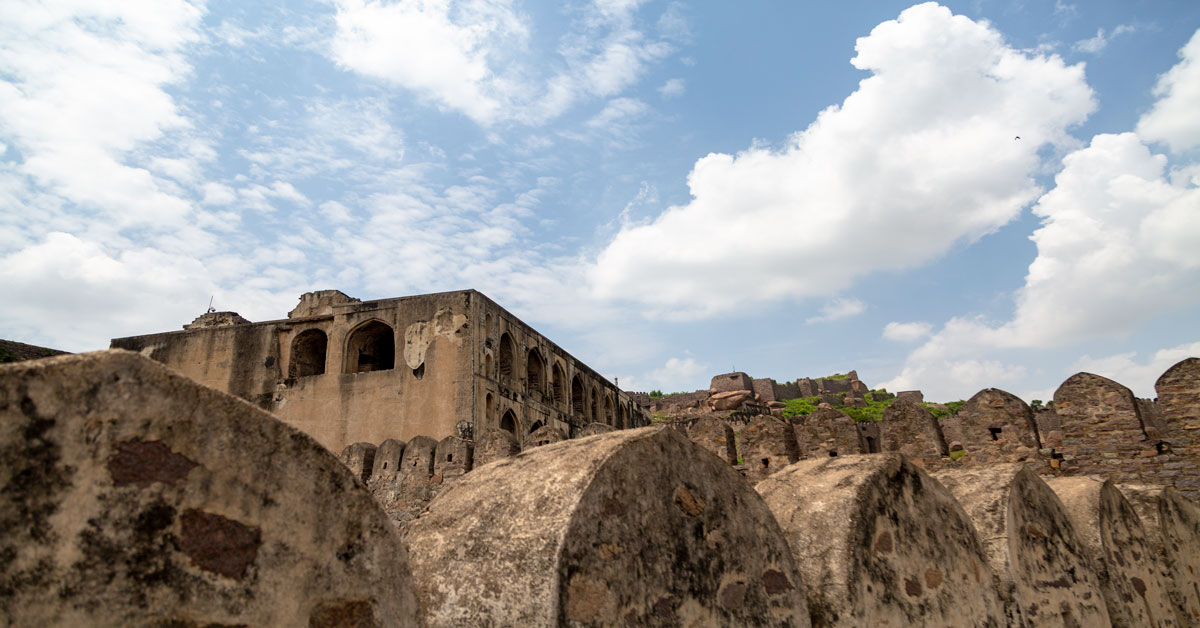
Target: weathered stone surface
(1172,524)
(993,426)
(727,382)
(910,429)
(766,445)
(544,436)
(360,458)
(1100,416)
(826,433)
(1178,390)
(1113,534)
(452,458)
(592,429)
(880,543)
(417,462)
(914,396)
(716,436)
(593,543)
(1179,523)
(134,496)
(495,444)
(387,462)
(1043,572)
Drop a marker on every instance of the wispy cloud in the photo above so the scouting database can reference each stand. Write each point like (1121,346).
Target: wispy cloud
(838,309)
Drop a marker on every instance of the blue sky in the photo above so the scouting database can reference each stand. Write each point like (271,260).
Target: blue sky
(669,190)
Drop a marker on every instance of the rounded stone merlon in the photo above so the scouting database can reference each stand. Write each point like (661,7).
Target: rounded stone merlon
(766,445)
(135,496)
(360,459)
(495,444)
(574,534)
(417,462)
(1044,574)
(716,436)
(544,435)
(387,462)
(1172,524)
(1130,573)
(881,543)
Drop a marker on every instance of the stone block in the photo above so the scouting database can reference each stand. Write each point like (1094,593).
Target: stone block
(730,382)
(137,497)
(1112,532)
(1030,542)
(593,543)
(880,543)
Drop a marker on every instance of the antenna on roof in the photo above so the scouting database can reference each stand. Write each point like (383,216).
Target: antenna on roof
(211,309)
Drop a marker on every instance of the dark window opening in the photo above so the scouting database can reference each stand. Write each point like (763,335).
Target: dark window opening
(832,453)
(577,396)
(419,372)
(609,417)
(872,445)
(766,462)
(509,422)
(489,409)
(995,432)
(1162,447)
(506,358)
(372,347)
(556,385)
(385,465)
(533,371)
(449,457)
(535,427)
(308,354)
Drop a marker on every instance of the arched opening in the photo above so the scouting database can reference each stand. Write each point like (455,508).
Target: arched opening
(506,358)
(508,422)
(576,396)
(595,407)
(872,445)
(308,353)
(489,407)
(534,367)
(533,428)
(371,347)
(609,417)
(487,366)
(487,325)
(556,385)
(621,416)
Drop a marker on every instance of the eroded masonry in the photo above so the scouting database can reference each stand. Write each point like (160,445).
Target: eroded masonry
(345,370)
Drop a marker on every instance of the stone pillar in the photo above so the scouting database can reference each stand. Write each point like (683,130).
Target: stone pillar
(631,528)
(136,497)
(880,543)
(1044,573)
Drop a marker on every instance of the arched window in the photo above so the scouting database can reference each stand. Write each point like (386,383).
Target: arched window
(308,354)
(489,408)
(556,385)
(595,407)
(487,366)
(609,417)
(371,347)
(577,396)
(535,427)
(533,371)
(509,422)
(506,358)
(621,414)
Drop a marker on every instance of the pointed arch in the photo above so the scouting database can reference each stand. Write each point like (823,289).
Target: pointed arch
(507,349)
(595,407)
(509,422)
(610,417)
(557,381)
(535,370)
(577,396)
(370,347)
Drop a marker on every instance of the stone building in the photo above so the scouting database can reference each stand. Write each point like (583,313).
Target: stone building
(345,370)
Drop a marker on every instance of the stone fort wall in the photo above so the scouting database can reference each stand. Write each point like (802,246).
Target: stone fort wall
(135,496)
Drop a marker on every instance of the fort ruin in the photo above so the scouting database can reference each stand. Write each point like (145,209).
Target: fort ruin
(138,496)
(345,370)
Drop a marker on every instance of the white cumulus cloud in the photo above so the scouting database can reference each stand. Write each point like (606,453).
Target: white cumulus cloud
(921,156)
(1173,120)
(838,309)
(906,332)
